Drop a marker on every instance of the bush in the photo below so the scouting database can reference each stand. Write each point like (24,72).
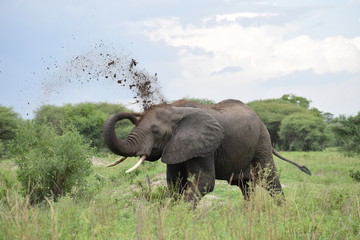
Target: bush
(87,118)
(347,132)
(50,164)
(303,132)
(9,120)
(8,183)
(200,100)
(272,112)
(355,174)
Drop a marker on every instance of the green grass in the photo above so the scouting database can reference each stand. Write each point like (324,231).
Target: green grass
(116,205)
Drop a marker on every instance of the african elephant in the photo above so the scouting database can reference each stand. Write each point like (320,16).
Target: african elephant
(224,141)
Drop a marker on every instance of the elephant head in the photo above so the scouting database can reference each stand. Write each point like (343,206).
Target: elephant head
(174,134)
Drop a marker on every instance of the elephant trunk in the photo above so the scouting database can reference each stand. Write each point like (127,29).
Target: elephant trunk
(126,147)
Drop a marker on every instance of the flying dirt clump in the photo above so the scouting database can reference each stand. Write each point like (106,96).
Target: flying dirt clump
(146,87)
(110,68)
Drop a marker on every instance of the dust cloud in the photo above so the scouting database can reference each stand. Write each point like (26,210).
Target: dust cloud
(113,69)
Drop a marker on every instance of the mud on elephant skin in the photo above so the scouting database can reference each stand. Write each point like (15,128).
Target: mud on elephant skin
(200,143)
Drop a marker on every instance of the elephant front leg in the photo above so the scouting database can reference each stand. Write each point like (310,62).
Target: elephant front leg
(244,185)
(193,178)
(201,178)
(176,177)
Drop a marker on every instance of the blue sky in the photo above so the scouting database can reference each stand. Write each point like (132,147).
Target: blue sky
(215,49)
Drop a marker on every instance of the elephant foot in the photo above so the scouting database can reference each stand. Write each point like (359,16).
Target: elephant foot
(193,196)
(278,195)
(274,187)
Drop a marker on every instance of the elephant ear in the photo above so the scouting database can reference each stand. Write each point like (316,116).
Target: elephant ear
(196,134)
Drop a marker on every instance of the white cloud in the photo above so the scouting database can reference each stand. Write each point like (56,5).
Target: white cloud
(262,52)
(263,3)
(233,17)
(224,59)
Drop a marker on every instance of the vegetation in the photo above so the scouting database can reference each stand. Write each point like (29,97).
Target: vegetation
(291,124)
(128,206)
(87,118)
(50,164)
(272,112)
(303,132)
(200,100)
(9,120)
(355,174)
(50,190)
(297,100)
(347,131)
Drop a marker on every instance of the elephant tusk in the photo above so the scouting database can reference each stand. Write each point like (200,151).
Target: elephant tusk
(137,164)
(116,162)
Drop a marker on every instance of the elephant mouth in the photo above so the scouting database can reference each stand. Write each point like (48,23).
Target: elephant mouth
(154,157)
(156,154)
(141,160)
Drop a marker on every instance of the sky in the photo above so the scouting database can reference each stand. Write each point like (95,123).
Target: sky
(213,49)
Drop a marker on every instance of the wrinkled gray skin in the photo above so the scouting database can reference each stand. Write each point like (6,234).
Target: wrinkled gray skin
(224,141)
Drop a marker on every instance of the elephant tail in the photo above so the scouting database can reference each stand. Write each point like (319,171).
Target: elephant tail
(302,168)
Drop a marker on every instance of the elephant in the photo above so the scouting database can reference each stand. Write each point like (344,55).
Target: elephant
(200,143)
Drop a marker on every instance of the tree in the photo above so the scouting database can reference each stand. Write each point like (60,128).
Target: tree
(272,112)
(328,117)
(303,132)
(297,100)
(87,118)
(200,100)
(347,132)
(9,121)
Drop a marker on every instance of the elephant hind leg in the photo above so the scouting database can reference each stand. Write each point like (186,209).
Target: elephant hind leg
(268,178)
(245,186)
(274,187)
(264,169)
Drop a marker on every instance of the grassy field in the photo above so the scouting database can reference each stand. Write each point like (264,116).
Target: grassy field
(116,205)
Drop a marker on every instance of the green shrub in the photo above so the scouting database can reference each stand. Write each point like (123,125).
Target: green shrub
(200,100)
(303,132)
(9,120)
(272,112)
(2,148)
(50,164)
(87,118)
(7,183)
(355,174)
(347,133)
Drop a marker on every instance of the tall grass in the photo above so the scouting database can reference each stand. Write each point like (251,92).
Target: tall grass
(128,206)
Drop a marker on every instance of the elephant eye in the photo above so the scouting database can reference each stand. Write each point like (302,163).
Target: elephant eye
(155,130)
